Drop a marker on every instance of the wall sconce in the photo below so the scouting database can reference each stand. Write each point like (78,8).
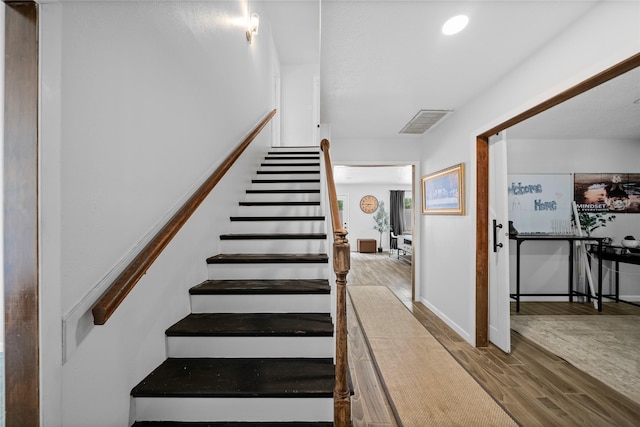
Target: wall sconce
(252,26)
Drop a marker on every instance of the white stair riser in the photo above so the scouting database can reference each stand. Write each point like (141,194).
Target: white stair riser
(233,409)
(284,210)
(272,246)
(298,150)
(273,303)
(268,271)
(244,227)
(290,168)
(290,159)
(282,197)
(283,175)
(250,347)
(285,185)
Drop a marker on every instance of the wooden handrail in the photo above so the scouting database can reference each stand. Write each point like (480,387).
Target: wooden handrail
(125,282)
(341,266)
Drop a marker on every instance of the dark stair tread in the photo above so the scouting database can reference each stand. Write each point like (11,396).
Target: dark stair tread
(274,236)
(278,218)
(231,424)
(285,191)
(298,203)
(242,377)
(265,287)
(310,152)
(267,258)
(282,181)
(288,172)
(253,325)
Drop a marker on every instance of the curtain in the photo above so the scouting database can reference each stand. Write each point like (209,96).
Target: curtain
(397,212)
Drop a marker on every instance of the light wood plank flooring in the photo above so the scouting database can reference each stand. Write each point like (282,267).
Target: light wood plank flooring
(369,404)
(535,386)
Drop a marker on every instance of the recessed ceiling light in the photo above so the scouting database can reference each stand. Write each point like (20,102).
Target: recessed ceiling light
(637,101)
(455,24)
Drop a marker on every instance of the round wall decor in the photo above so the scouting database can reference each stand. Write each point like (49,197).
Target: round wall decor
(369,204)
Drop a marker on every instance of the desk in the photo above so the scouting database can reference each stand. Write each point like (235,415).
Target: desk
(405,242)
(618,257)
(520,238)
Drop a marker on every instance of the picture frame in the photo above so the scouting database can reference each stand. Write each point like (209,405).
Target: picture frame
(443,191)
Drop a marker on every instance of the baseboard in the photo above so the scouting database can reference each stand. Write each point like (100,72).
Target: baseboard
(453,325)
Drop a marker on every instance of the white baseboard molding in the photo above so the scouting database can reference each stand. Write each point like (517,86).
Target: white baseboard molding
(453,325)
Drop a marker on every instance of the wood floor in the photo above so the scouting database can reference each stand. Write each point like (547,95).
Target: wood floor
(534,386)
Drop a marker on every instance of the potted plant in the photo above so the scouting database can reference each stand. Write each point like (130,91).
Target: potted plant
(589,222)
(382,223)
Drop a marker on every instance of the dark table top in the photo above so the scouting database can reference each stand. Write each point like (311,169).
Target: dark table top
(620,256)
(546,236)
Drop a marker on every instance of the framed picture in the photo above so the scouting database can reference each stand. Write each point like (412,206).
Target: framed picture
(443,192)
(611,193)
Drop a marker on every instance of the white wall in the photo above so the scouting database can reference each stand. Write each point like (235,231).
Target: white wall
(401,151)
(298,124)
(544,265)
(447,279)
(361,224)
(140,101)
(372,152)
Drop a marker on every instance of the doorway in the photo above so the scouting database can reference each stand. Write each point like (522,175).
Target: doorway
(343,210)
(483,186)
(356,181)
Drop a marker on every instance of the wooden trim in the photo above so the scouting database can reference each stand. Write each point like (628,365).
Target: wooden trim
(341,266)
(482,242)
(482,163)
(127,280)
(22,367)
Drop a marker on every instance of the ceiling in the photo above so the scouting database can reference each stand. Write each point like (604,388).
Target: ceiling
(383,61)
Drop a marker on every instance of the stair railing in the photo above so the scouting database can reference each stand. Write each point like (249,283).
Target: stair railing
(341,266)
(126,281)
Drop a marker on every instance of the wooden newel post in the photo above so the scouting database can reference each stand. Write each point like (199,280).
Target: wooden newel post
(341,392)
(341,266)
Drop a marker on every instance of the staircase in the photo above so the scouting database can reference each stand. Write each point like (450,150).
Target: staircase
(258,346)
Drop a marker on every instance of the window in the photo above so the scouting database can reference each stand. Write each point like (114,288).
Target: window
(408,212)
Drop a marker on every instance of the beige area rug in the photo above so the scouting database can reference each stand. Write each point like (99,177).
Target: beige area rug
(606,347)
(426,386)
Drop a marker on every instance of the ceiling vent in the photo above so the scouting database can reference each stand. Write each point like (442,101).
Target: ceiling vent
(424,120)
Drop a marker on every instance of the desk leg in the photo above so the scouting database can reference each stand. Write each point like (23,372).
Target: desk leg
(600,275)
(617,281)
(518,275)
(570,271)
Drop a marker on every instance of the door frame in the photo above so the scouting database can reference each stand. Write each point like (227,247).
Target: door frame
(482,187)
(20,227)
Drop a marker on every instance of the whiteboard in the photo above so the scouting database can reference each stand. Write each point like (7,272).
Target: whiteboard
(540,203)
